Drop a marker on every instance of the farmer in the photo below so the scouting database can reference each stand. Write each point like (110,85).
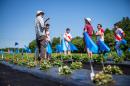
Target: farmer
(40,34)
(88,29)
(119,35)
(67,37)
(99,34)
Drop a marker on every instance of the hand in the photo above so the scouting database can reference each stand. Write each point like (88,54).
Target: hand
(96,33)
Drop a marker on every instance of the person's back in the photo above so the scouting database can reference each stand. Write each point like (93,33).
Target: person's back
(40,35)
(39,26)
(89,29)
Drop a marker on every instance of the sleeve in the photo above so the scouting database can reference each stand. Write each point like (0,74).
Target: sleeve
(102,30)
(85,28)
(64,36)
(121,30)
(70,36)
(37,29)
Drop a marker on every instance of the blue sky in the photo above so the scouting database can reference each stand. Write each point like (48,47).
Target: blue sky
(17,17)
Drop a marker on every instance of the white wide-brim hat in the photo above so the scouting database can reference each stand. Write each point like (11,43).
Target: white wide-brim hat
(88,19)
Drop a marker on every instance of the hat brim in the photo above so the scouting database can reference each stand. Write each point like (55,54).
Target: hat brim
(87,20)
(41,13)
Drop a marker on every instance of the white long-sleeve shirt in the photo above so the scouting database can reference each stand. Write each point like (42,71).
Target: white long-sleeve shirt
(119,34)
(48,36)
(67,37)
(39,26)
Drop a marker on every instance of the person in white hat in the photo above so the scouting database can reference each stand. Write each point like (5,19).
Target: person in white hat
(88,20)
(89,29)
(40,34)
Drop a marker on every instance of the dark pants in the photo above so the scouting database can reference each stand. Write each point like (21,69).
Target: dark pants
(41,44)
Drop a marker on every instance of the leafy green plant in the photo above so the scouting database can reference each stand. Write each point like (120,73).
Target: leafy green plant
(62,57)
(58,56)
(22,62)
(84,58)
(45,65)
(118,59)
(1,57)
(76,57)
(7,59)
(64,70)
(112,70)
(127,53)
(101,79)
(66,57)
(57,63)
(98,59)
(76,65)
(54,57)
(31,64)
(15,61)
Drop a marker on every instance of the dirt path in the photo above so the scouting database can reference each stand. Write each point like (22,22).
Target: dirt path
(10,77)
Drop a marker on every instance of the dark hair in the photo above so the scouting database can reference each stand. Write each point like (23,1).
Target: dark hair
(42,13)
(67,29)
(100,25)
(116,25)
(47,24)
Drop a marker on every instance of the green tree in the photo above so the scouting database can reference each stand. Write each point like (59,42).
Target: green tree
(32,45)
(109,38)
(55,41)
(78,42)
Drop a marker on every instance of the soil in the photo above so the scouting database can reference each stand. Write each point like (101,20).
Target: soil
(11,77)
